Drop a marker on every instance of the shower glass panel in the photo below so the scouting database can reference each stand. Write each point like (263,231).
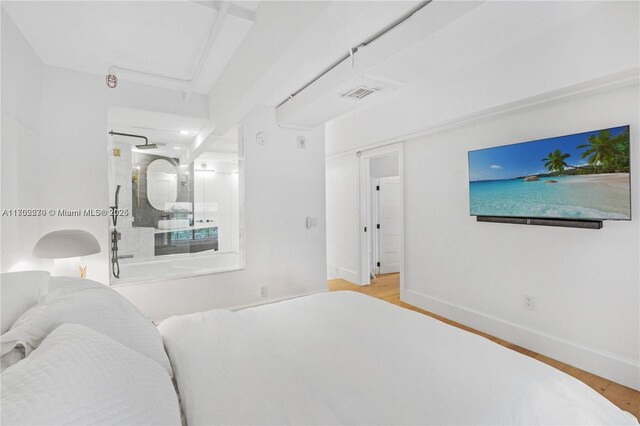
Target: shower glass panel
(182,218)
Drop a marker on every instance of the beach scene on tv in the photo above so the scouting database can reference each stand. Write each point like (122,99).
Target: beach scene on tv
(580,176)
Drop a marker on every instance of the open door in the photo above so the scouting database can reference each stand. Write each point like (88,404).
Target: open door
(388,227)
(380,242)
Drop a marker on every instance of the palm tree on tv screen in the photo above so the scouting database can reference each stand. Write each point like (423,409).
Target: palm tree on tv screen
(602,150)
(555,161)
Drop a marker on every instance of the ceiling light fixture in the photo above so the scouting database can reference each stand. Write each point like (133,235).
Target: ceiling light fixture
(112,81)
(176,147)
(184,132)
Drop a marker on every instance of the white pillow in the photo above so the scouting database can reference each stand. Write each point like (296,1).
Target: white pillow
(94,305)
(80,377)
(18,292)
(70,284)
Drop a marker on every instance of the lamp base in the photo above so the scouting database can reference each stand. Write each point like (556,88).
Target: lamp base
(83,271)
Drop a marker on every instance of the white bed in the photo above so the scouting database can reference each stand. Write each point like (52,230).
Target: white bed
(74,351)
(346,358)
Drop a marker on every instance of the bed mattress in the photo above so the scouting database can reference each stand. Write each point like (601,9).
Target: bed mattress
(347,358)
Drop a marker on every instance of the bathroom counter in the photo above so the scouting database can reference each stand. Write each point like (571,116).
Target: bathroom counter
(194,239)
(189,228)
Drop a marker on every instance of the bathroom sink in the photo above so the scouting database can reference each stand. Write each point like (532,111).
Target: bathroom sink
(173,223)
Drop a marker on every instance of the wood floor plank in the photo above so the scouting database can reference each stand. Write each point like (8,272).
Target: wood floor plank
(387,288)
(552,362)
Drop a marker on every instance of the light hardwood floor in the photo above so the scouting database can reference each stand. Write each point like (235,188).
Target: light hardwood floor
(387,287)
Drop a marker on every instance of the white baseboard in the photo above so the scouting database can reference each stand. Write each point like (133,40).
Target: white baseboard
(348,275)
(606,365)
(334,272)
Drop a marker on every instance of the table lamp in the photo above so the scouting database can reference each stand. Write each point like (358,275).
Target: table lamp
(67,243)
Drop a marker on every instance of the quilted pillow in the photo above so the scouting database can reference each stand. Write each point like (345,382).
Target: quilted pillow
(20,291)
(88,303)
(80,377)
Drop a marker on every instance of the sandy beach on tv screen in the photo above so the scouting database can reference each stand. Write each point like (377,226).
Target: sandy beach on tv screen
(614,179)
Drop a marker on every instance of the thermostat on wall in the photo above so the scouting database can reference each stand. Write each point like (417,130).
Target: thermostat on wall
(261,138)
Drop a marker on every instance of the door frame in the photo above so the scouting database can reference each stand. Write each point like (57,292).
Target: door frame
(365,209)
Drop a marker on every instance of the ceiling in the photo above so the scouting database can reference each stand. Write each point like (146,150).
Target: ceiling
(265,51)
(167,39)
(486,31)
(261,54)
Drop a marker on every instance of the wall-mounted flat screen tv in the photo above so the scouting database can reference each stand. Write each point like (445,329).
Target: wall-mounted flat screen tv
(580,176)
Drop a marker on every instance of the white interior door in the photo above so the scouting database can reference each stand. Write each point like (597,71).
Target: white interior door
(389,236)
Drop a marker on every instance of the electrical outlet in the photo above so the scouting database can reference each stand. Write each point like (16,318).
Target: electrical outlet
(529,302)
(264,291)
(311,222)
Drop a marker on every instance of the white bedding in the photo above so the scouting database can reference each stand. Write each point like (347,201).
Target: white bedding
(346,358)
(78,376)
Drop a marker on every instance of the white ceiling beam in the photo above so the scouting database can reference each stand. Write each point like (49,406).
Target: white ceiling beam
(301,31)
(234,9)
(175,83)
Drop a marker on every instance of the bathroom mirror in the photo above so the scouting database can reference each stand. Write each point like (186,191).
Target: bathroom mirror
(162,184)
(183,213)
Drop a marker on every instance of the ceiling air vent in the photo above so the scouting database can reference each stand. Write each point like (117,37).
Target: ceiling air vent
(359,92)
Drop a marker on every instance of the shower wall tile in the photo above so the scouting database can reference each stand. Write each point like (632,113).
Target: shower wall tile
(138,242)
(121,169)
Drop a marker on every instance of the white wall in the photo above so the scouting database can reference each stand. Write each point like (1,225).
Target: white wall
(585,282)
(342,217)
(387,166)
(283,186)
(22,74)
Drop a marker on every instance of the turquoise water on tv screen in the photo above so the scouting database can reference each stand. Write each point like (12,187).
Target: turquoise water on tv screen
(571,197)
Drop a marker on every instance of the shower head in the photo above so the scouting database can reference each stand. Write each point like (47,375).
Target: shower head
(147,146)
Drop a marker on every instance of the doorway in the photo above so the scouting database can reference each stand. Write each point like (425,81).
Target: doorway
(386,217)
(380,205)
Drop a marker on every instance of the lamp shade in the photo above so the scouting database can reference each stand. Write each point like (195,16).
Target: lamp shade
(66,243)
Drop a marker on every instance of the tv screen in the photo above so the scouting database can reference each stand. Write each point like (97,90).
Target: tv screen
(580,176)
